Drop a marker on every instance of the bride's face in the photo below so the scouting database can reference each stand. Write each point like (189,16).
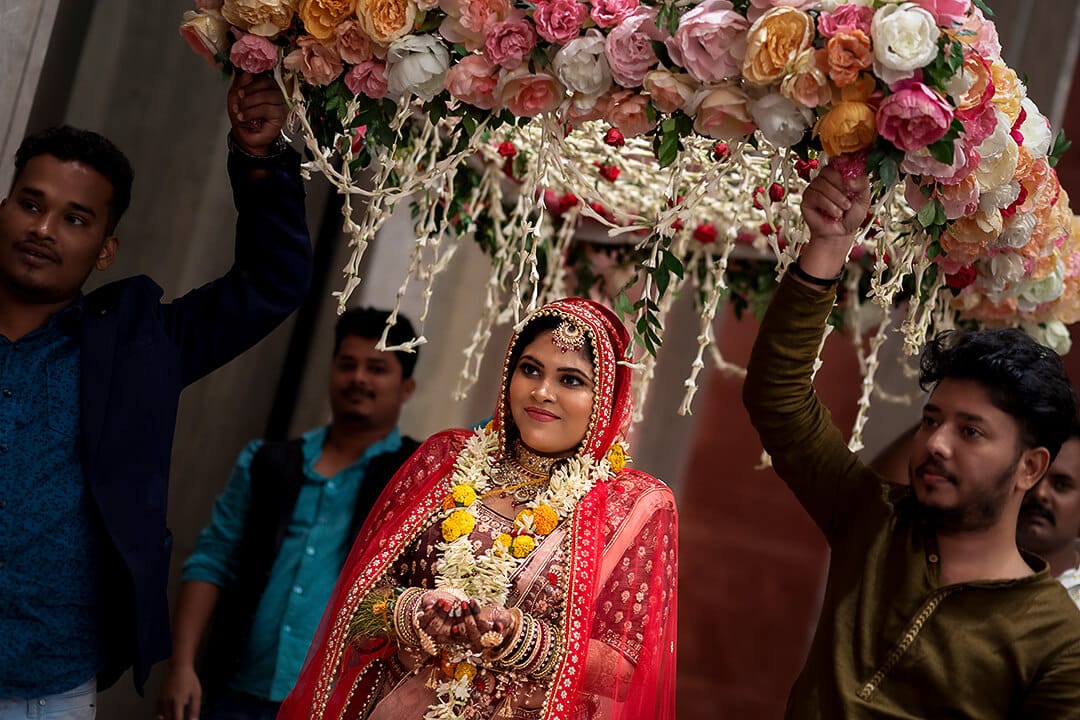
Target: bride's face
(551,397)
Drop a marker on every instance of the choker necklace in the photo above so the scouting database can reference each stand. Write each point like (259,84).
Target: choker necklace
(526,461)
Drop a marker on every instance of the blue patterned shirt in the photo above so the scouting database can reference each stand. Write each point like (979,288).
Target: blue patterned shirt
(302,578)
(49,638)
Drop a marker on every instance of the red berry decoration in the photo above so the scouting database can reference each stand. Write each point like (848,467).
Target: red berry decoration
(705,233)
(776,192)
(758,192)
(609,172)
(720,151)
(507,149)
(766,229)
(615,138)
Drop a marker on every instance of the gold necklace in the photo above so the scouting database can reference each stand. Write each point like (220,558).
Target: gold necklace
(531,463)
(521,463)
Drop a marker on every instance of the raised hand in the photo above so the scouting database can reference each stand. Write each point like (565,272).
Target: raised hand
(257,111)
(834,206)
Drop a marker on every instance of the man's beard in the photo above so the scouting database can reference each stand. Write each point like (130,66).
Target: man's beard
(978,513)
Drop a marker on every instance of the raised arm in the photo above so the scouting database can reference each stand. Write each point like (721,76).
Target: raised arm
(807,449)
(271,272)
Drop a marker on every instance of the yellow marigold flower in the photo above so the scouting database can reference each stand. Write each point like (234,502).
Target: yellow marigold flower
(505,539)
(490,426)
(545,520)
(616,456)
(463,495)
(523,545)
(465,670)
(459,523)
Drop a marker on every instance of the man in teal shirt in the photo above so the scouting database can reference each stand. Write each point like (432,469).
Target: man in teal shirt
(265,566)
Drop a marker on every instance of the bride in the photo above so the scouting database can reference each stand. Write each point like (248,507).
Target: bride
(519,571)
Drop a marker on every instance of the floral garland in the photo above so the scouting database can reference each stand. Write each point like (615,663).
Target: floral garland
(661,120)
(487,577)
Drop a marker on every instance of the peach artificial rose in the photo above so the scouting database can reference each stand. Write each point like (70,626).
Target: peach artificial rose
(1007,90)
(260,17)
(723,113)
(808,82)
(320,17)
(773,43)
(386,20)
(988,311)
(319,64)
(848,127)
(628,111)
(848,53)
(967,238)
(353,44)
(669,91)
(981,90)
(206,32)
(528,94)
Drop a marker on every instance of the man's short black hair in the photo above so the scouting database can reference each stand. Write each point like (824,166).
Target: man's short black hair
(87,148)
(1022,377)
(369,323)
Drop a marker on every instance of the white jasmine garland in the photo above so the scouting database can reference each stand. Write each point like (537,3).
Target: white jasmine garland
(416,64)
(905,39)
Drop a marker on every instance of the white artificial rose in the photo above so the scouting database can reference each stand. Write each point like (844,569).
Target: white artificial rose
(996,170)
(905,39)
(1042,291)
(1000,197)
(1016,231)
(581,65)
(416,64)
(781,122)
(1053,334)
(995,142)
(1035,129)
(998,272)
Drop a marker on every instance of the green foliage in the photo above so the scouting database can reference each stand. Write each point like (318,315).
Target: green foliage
(1061,144)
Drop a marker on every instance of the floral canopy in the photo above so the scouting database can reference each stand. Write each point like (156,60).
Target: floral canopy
(636,149)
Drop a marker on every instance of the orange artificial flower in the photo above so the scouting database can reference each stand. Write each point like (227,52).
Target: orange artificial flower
(848,54)
(773,43)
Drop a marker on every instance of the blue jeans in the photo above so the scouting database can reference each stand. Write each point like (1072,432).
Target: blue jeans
(79,703)
(237,706)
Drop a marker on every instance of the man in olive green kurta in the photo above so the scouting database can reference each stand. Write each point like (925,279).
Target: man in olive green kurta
(895,638)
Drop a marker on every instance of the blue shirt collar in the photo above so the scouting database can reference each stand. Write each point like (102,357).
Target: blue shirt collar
(313,443)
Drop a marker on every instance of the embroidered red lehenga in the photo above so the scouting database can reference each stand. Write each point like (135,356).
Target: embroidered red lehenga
(605,580)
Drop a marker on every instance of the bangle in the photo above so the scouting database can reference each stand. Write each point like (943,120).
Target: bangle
(797,271)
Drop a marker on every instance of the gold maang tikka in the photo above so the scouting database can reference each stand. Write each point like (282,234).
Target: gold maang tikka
(568,335)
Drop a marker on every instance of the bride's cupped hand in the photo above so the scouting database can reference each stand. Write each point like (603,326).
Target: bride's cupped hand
(455,619)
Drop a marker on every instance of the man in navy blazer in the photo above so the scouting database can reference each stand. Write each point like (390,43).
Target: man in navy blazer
(89,387)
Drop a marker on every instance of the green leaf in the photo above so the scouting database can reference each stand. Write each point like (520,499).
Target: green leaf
(934,250)
(662,278)
(1061,144)
(940,217)
(928,215)
(668,148)
(942,151)
(981,4)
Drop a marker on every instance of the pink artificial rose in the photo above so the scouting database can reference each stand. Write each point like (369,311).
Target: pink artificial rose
(629,112)
(978,127)
(319,64)
(367,78)
(559,21)
(510,41)
(253,54)
(947,13)
(628,47)
(472,79)
(914,116)
(669,91)
(723,113)
(467,21)
(353,44)
(845,19)
(710,41)
(528,94)
(609,13)
(922,163)
(980,34)
(758,8)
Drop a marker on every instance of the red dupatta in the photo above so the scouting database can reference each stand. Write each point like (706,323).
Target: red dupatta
(618,623)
